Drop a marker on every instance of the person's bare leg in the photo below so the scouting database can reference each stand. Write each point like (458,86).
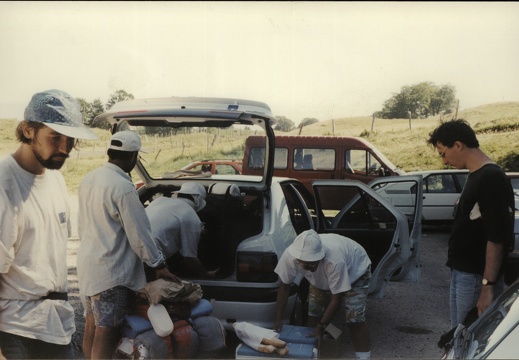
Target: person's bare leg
(360,336)
(311,321)
(105,342)
(88,336)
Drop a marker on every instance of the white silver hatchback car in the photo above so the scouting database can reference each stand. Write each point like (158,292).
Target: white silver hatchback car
(494,335)
(441,190)
(249,220)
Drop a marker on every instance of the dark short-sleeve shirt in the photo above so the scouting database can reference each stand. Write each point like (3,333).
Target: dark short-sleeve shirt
(485,213)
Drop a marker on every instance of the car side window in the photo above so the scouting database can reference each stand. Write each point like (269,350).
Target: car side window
(349,207)
(297,208)
(442,183)
(224,169)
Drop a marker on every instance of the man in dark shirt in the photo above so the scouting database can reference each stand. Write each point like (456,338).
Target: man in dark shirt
(484,222)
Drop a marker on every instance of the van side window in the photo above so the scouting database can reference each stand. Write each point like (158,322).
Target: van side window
(357,161)
(281,158)
(374,166)
(363,162)
(314,159)
(256,158)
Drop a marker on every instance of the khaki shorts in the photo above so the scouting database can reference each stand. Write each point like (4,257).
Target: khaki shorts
(109,307)
(354,301)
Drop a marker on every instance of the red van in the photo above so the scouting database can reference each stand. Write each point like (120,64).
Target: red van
(309,158)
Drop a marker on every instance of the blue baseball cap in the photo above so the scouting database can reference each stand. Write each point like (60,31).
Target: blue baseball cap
(59,111)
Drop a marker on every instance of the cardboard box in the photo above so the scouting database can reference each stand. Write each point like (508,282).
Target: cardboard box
(331,344)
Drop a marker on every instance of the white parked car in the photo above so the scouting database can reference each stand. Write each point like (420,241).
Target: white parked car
(441,190)
(249,220)
(494,335)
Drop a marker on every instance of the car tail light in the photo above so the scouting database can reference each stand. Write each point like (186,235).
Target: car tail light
(256,266)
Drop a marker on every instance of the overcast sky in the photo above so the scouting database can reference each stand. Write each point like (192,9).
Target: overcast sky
(305,59)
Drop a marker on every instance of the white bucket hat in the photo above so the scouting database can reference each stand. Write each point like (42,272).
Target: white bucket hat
(194,188)
(307,246)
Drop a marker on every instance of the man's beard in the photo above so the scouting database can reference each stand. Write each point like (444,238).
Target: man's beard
(54,162)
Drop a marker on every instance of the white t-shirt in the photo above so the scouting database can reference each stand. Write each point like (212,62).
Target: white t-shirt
(175,226)
(344,262)
(34,229)
(114,231)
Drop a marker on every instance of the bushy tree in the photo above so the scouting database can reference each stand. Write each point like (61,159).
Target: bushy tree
(118,96)
(284,124)
(419,101)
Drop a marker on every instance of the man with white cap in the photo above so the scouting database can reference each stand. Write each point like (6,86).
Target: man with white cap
(338,270)
(36,320)
(176,226)
(116,239)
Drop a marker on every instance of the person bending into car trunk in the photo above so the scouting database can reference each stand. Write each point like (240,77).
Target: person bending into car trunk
(176,227)
(339,271)
(116,239)
(483,227)
(36,320)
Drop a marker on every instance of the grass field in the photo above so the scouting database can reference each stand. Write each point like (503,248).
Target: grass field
(404,143)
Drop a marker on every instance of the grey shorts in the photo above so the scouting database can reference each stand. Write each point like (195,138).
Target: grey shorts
(109,307)
(354,301)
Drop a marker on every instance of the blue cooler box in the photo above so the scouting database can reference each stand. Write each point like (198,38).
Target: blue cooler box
(295,351)
(299,346)
(297,335)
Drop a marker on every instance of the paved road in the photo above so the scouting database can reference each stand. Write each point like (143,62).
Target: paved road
(409,320)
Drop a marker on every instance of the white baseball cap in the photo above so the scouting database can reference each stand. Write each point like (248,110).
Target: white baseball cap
(307,246)
(60,112)
(125,141)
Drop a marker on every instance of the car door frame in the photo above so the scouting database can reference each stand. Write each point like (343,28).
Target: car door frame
(402,261)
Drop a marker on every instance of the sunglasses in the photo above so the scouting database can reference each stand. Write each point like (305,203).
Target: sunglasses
(307,265)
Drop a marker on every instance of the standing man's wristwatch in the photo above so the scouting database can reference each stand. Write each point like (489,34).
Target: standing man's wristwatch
(486,282)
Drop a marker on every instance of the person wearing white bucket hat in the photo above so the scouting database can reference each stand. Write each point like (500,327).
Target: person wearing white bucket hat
(177,228)
(116,240)
(338,270)
(36,319)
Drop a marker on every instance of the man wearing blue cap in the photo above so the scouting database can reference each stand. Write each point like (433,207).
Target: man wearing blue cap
(339,271)
(36,320)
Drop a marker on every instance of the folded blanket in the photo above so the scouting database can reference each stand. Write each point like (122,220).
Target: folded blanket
(161,289)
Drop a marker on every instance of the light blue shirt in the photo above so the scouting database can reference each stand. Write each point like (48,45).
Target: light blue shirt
(114,231)
(175,226)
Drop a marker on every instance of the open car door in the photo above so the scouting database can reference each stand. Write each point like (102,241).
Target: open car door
(384,217)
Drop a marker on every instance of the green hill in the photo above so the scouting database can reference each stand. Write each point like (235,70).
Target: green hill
(404,143)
